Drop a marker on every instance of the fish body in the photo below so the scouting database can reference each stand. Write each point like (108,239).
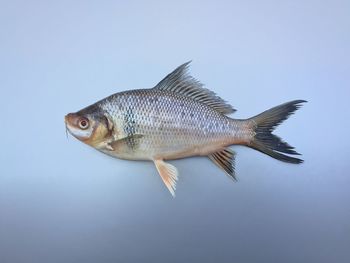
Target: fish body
(162,124)
(177,118)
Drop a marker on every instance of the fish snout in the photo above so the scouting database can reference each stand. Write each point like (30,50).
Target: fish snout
(70,118)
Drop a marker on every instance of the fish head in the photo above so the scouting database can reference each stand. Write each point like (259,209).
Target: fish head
(89,126)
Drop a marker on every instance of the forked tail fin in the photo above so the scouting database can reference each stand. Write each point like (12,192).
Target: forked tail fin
(263,126)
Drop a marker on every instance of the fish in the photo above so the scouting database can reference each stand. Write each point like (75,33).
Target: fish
(175,119)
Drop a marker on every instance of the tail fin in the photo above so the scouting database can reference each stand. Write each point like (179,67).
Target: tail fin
(263,126)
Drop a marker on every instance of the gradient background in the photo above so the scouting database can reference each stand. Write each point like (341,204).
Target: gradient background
(61,201)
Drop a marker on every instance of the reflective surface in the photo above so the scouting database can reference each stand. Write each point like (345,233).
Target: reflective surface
(61,201)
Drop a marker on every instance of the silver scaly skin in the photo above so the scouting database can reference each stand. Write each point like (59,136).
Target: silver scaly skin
(170,126)
(177,118)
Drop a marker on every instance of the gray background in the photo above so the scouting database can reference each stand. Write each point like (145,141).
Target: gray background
(61,201)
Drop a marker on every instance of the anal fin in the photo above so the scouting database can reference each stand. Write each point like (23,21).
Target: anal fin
(168,173)
(225,159)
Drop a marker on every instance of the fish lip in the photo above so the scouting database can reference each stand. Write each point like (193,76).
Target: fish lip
(66,121)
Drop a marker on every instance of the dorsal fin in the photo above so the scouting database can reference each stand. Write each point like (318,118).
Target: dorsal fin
(181,82)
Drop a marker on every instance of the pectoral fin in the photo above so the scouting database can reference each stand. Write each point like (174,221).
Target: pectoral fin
(225,159)
(131,142)
(168,173)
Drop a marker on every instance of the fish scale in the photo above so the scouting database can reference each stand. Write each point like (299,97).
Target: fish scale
(172,125)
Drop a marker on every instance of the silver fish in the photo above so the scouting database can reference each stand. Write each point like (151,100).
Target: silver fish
(178,118)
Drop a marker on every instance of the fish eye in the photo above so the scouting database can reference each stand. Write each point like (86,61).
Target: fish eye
(83,123)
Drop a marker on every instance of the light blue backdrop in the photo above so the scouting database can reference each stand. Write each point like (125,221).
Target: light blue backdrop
(61,201)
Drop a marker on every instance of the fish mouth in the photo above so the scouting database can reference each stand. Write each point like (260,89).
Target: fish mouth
(68,120)
(65,123)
